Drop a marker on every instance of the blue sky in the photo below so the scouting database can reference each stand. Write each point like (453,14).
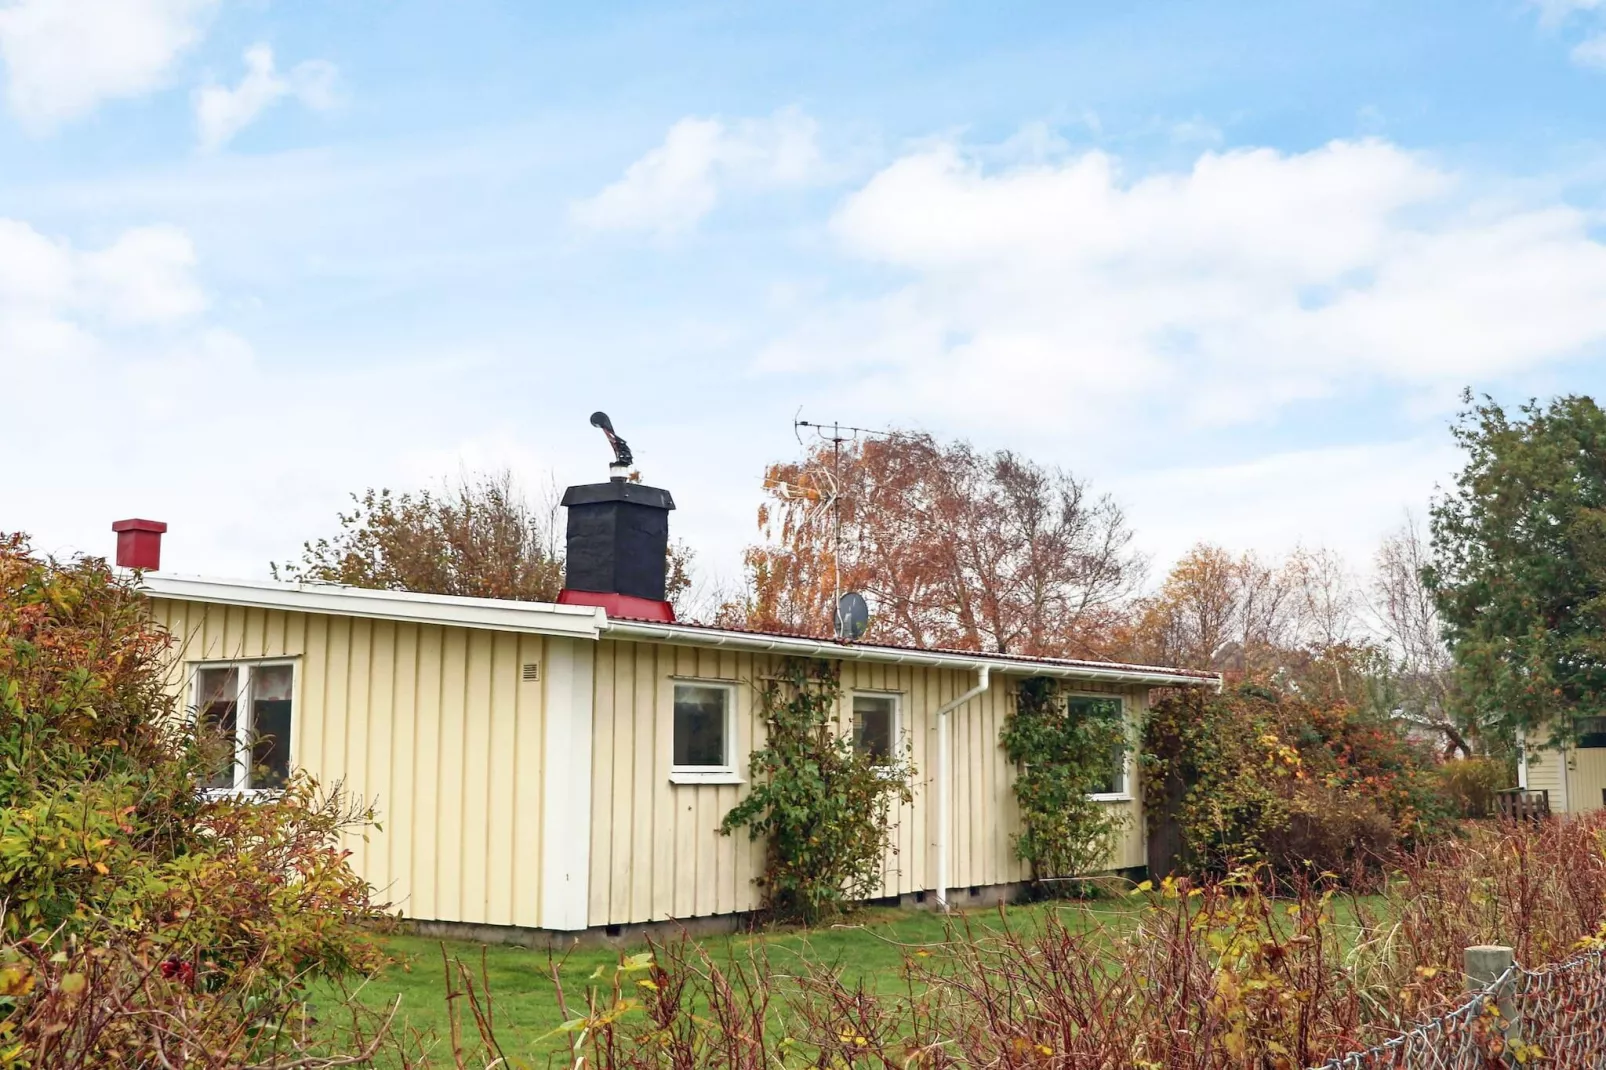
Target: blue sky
(1233,263)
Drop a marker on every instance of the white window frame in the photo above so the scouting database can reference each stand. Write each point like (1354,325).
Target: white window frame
(895,763)
(706,774)
(1125,794)
(244,715)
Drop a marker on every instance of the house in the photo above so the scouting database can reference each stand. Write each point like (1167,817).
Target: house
(1572,777)
(558,768)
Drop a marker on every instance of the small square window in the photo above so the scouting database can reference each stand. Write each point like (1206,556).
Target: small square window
(702,728)
(875,726)
(1115,771)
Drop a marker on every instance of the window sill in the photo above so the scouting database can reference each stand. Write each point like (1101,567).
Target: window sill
(692,776)
(247,794)
(1119,796)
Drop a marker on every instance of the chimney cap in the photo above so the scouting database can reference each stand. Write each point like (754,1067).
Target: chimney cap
(618,490)
(155,527)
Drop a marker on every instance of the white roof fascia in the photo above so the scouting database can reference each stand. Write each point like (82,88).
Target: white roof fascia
(782,644)
(542,618)
(590,622)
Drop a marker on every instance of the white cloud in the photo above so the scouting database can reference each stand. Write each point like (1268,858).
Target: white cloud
(1552,11)
(675,185)
(1590,52)
(1254,279)
(1344,498)
(64,57)
(145,277)
(221,112)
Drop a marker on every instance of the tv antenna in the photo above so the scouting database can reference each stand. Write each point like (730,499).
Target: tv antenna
(837,434)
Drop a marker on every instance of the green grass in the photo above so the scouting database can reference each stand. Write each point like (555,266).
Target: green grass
(870,947)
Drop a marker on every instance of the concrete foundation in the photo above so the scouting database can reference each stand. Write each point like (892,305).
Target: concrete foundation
(985,897)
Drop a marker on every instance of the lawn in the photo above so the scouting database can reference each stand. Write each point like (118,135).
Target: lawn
(870,947)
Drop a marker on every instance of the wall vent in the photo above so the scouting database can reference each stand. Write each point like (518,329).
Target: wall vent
(532,672)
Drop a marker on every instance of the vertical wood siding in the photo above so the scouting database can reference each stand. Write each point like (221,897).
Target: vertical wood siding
(434,725)
(1547,771)
(656,852)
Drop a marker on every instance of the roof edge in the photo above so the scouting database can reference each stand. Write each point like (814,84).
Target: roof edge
(545,618)
(1150,675)
(590,622)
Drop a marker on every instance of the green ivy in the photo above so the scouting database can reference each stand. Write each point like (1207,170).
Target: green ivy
(821,806)
(1065,755)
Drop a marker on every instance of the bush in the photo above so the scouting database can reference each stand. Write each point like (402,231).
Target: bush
(141,922)
(1259,774)
(821,806)
(1471,784)
(1210,976)
(1064,758)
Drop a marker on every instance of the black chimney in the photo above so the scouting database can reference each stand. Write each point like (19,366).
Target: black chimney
(618,541)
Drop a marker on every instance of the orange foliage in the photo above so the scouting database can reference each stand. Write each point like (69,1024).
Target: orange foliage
(953,547)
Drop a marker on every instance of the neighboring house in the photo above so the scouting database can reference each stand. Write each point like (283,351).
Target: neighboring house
(1574,776)
(564,767)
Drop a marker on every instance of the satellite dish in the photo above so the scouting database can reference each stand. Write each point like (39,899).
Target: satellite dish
(852,616)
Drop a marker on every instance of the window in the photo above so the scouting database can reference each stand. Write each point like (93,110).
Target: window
(705,732)
(875,727)
(1590,731)
(255,742)
(1109,708)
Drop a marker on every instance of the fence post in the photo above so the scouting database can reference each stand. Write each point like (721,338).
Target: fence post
(1485,965)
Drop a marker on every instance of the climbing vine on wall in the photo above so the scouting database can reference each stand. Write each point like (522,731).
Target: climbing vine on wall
(1067,751)
(822,807)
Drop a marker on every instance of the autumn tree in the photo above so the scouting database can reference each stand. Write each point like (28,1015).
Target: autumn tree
(1413,632)
(953,546)
(1245,615)
(1219,611)
(1519,565)
(478,537)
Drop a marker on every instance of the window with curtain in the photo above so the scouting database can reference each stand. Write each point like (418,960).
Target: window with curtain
(247,707)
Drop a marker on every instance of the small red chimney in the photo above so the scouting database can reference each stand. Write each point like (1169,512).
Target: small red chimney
(139,543)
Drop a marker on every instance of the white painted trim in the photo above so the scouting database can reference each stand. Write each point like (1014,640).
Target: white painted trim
(590,622)
(685,635)
(542,618)
(566,725)
(718,776)
(1522,759)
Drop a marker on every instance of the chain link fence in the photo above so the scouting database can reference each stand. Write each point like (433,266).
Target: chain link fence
(1554,1016)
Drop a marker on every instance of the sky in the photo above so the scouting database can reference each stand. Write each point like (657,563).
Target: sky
(1232,263)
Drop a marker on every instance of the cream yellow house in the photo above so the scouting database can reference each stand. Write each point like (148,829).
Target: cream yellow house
(1572,777)
(564,767)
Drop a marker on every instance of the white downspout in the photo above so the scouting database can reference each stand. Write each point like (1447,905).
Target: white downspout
(983,680)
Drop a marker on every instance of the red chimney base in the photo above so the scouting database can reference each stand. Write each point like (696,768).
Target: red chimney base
(139,543)
(619,605)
